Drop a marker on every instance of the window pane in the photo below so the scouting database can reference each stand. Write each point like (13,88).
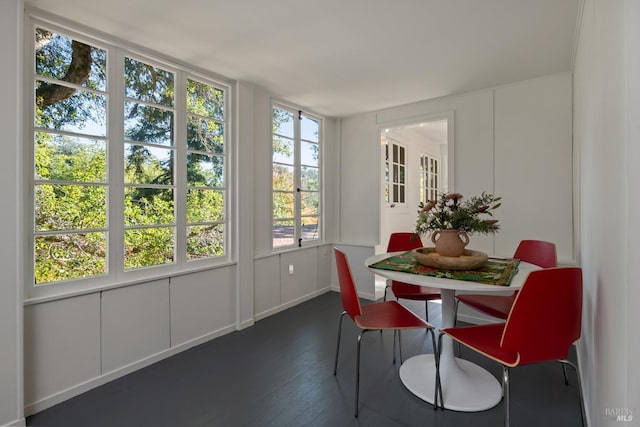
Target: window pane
(70,207)
(401,175)
(310,228)
(56,54)
(283,150)
(148,206)
(205,135)
(205,171)
(402,162)
(205,241)
(283,205)
(205,205)
(309,179)
(148,165)
(71,110)
(283,123)
(401,190)
(69,256)
(309,203)
(148,124)
(309,154)
(205,100)
(283,178)
(146,247)
(67,158)
(309,129)
(283,233)
(148,83)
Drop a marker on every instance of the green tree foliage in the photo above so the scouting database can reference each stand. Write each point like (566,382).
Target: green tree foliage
(70,197)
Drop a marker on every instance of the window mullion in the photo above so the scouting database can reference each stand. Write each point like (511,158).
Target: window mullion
(180,169)
(115,150)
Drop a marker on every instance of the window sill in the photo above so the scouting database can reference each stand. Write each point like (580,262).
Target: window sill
(66,293)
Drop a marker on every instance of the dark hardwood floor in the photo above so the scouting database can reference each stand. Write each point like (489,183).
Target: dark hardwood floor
(279,373)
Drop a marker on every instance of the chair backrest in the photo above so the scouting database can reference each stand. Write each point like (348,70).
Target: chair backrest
(546,316)
(538,252)
(403,242)
(350,301)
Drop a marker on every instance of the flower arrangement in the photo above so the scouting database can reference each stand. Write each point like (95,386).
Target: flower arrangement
(451,213)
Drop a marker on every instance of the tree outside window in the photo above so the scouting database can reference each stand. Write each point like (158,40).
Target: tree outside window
(74,155)
(296,185)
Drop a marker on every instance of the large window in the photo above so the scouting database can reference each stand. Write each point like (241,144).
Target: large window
(296,144)
(129,163)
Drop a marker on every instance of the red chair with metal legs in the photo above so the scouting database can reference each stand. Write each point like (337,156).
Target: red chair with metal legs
(530,335)
(406,242)
(538,252)
(372,317)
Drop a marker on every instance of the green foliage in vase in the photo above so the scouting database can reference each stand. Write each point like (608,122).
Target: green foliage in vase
(449,212)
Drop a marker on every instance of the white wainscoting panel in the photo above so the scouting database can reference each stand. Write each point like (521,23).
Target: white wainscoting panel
(61,345)
(202,303)
(135,323)
(303,281)
(266,276)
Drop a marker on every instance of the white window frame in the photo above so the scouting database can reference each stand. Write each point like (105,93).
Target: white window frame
(116,276)
(427,190)
(390,177)
(298,240)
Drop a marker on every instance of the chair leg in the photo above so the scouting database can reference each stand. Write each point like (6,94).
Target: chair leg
(455,313)
(335,365)
(436,357)
(564,372)
(395,332)
(575,368)
(438,381)
(358,370)
(400,344)
(455,323)
(505,393)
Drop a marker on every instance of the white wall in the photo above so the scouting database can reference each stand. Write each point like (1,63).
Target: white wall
(11,379)
(606,100)
(513,141)
(533,159)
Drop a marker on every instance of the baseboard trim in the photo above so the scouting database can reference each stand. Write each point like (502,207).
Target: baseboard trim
(78,389)
(17,423)
(290,304)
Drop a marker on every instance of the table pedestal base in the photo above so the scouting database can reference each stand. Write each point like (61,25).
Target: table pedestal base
(466,386)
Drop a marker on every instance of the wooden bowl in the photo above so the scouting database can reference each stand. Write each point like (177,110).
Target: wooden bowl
(470,260)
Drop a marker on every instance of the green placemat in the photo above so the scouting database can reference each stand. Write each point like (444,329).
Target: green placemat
(497,271)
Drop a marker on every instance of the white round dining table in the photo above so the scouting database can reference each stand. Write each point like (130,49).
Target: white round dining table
(466,386)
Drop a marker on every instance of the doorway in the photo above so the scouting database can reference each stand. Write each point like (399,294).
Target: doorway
(417,161)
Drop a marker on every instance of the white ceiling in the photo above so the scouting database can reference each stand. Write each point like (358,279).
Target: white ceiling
(342,57)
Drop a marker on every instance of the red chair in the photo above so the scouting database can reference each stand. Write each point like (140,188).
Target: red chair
(530,336)
(542,254)
(406,242)
(375,316)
